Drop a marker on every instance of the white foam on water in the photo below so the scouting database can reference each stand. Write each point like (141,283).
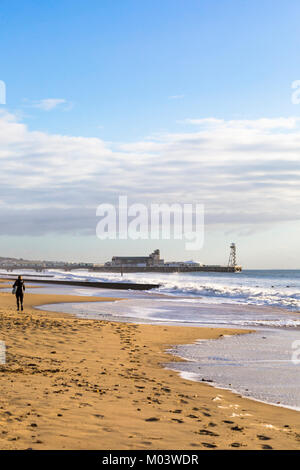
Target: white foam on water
(261,288)
(258,365)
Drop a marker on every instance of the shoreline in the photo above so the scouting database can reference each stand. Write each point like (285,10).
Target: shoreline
(130,400)
(184,376)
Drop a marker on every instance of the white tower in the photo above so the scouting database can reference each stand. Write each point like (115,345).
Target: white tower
(232,256)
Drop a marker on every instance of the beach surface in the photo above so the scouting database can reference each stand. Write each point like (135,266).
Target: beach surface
(72,383)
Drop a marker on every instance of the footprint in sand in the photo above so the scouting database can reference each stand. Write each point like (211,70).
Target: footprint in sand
(210,446)
(206,432)
(236,428)
(263,438)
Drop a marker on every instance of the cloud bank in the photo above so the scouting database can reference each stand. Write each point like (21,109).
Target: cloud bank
(243,171)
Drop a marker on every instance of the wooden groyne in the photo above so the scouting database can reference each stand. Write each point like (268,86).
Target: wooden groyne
(100,285)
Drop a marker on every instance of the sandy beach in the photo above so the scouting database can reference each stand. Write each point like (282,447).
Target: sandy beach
(71,383)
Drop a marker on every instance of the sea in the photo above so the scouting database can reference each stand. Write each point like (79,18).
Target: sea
(263,365)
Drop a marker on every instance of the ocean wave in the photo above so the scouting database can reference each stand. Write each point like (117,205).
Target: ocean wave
(275,290)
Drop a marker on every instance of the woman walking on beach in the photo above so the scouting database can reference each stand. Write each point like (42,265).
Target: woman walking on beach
(19,288)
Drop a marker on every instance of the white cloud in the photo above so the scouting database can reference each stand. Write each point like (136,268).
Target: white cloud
(257,124)
(48,104)
(176,97)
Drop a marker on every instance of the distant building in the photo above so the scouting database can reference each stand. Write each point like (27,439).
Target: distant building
(141,261)
(182,264)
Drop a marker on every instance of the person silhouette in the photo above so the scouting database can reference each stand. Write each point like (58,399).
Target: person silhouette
(19,288)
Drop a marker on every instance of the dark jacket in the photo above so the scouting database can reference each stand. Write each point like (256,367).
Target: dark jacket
(20,286)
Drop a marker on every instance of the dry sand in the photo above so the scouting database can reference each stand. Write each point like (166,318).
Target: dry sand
(73,383)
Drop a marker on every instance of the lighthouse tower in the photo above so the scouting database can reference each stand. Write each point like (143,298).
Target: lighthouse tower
(232,256)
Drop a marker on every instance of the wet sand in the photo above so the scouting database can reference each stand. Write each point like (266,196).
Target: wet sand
(73,383)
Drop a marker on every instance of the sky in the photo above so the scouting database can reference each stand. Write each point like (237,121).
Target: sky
(174,102)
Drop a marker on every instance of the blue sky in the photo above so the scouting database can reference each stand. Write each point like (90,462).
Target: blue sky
(138,80)
(120,61)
